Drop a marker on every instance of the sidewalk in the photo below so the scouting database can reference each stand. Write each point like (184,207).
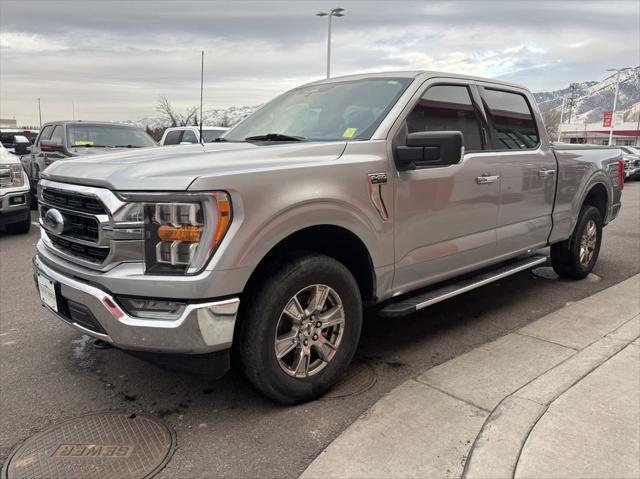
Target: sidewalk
(559,398)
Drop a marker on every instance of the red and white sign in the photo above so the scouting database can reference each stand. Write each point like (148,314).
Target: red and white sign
(618,118)
(606,121)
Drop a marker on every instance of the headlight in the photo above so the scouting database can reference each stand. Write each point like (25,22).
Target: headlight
(181,231)
(16,176)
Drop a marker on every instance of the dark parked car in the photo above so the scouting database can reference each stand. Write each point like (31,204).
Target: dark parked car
(65,139)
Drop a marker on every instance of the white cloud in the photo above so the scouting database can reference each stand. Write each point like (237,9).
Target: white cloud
(113,59)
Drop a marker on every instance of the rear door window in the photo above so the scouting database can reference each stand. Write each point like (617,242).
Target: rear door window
(188,136)
(58,135)
(447,108)
(172,138)
(511,119)
(45,134)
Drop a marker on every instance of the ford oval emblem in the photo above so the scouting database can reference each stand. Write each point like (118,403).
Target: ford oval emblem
(54,221)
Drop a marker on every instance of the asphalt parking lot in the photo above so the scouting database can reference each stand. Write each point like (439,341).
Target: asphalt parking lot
(49,372)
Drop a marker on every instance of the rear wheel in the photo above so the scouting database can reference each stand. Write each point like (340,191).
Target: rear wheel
(576,257)
(300,328)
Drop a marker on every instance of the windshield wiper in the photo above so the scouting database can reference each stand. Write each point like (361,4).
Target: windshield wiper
(92,146)
(219,140)
(275,137)
(127,146)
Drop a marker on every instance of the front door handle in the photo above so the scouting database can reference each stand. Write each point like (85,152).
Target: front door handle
(486,178)
(544,173)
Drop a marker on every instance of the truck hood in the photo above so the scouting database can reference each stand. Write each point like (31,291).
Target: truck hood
(174,168)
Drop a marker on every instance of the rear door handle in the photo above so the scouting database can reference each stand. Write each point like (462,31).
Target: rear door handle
(486,178)
(543,173)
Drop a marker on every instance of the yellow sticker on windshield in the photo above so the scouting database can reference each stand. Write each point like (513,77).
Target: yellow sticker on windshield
(82,142)
(349,132)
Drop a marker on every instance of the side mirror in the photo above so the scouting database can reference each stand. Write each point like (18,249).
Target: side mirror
(21,145)
(51,145)
(425,149)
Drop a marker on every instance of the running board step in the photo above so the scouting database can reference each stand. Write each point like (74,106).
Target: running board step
(411,304)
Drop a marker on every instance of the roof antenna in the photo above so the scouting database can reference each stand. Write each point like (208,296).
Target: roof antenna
(201,89)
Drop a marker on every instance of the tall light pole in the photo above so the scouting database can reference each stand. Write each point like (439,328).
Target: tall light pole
(615,99)
(40,113)
(336,12)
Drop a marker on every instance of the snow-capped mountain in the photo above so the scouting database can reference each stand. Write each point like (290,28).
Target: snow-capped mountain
(213,117)
(592,99)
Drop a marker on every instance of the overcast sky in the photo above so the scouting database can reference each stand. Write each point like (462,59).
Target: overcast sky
(115,58)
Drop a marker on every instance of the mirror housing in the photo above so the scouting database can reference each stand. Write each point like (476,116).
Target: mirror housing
(51,145)
(21,145)
(427,149)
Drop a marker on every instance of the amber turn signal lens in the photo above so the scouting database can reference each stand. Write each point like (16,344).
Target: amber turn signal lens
(224,218)
(188,234)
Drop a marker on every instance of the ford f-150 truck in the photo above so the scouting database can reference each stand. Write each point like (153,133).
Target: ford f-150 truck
(391,191)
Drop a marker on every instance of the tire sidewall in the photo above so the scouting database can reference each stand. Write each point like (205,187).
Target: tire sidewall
(588,213)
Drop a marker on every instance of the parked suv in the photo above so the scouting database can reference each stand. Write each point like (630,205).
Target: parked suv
(185,135)
(66,139)
(391,191)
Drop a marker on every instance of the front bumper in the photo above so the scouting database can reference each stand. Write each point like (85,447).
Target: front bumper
(631,173)
(14,207)
(202,328)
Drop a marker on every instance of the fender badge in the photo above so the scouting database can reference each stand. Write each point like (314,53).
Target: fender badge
(376,180)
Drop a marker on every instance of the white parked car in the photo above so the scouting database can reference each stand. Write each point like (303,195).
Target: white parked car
(15,214)
(186,135)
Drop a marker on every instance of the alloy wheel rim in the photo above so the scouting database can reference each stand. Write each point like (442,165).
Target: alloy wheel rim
(309,331)
(588,242)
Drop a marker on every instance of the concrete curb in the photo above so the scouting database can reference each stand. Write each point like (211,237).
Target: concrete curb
(472,416)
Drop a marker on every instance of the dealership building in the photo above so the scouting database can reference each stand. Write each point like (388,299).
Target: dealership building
(625,133)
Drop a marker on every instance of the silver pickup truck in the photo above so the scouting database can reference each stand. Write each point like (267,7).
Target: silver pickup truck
(391,191)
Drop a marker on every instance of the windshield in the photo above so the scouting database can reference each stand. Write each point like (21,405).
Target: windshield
(107,136)
(349,110)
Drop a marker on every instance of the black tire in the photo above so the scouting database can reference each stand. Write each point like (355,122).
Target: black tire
(33,200)
(565,256)
(22,227)
(261,315)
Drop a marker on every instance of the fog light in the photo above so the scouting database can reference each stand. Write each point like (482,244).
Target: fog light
(152,308)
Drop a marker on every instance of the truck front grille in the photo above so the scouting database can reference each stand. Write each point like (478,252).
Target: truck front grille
(91,235)
(76,201)
(85,228)
(5,176)
(93,254)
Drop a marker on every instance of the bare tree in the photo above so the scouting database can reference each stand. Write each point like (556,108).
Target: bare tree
(172,116)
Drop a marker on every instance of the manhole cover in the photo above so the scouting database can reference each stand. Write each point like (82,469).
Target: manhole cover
(99,445)
(358,378)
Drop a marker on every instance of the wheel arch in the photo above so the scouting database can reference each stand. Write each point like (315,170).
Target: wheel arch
(334,241)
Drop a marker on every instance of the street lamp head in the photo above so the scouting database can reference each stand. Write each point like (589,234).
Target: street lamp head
(337,10)
(321,14)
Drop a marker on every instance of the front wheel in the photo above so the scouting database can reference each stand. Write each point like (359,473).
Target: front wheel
(21,227)
(576,257)
(300,328)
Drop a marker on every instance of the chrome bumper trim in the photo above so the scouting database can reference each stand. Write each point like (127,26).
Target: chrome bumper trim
(202,327)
